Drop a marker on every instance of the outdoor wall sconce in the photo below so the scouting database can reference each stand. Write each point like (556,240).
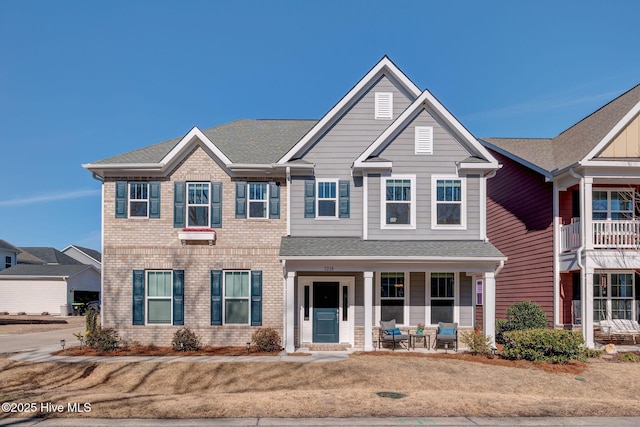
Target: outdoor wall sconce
(248,347)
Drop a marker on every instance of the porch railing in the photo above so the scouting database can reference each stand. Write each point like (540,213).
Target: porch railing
(570,236)
(606,234)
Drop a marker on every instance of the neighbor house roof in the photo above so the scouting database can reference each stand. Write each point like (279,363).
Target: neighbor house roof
(575,143)
(45,255)
(43,270)
(356,248)
(8,246)
(89,252)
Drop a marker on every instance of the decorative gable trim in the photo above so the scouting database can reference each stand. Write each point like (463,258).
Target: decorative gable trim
(386,66)
(186,142)
(610,136)
(424,140)
(425,99)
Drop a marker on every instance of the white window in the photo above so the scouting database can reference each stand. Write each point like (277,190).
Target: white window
(327,200)
(139,199)
(258,200)
(392,297)
(384,105)
(424,140)
(442,297)
(613,296)
(612,204)
(236,297)
(159,294)
(448,207)
(398,201)
(198,204)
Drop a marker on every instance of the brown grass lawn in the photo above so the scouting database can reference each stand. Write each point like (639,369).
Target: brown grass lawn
(433,387)
(9,323)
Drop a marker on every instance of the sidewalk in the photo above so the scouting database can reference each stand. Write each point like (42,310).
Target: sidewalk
(374,422)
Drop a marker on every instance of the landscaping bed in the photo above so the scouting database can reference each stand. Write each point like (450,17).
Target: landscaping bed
(144,350)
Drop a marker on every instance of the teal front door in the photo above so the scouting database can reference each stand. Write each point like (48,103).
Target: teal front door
(325,312)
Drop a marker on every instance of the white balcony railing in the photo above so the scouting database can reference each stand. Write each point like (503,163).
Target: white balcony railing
(606,234)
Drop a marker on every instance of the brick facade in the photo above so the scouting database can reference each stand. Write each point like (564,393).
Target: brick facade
(150,244)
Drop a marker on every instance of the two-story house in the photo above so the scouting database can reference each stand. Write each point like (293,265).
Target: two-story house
(319,229)
(564,210)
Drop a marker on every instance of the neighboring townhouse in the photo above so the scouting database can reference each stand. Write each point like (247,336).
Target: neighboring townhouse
(316,228)
(8,255)
(565,212)
(46,280)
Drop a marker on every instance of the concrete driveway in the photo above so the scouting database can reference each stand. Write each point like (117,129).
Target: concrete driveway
(13,343)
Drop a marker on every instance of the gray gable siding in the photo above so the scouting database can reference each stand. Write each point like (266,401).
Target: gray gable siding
(446,152)
(333,156)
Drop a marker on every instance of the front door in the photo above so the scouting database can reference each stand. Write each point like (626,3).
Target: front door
(325,312)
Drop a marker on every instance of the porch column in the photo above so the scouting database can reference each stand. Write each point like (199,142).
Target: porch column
(368,310)
(587,218)
(489,314)
(290,313)
(586,296)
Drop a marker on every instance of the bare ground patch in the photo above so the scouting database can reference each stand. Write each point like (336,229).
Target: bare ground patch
(434,386)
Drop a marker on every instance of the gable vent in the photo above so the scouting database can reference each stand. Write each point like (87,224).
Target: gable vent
(424,139)
(384,105)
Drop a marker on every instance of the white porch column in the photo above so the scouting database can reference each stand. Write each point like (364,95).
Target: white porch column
(586,296)
(588,213)
(290,313)
(368,310)
(489,313)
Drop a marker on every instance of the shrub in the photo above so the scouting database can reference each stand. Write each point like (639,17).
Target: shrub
(630,357)
(103,339)
(91,321)
(266,339)
(476,341)
(543,345)
(185,340)
(521,316)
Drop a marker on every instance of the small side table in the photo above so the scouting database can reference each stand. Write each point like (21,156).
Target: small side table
(426,340)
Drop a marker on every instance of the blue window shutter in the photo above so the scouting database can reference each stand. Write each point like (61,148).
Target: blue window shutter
(138,297)
(216,297)
(178,297)
(121,199)
(274,200)
(154,199)
(216,205)
(179,204)
(344,199)
(241,199)
(310,198)
(256,298)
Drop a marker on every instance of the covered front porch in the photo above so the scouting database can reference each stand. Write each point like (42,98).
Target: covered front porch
(339,289)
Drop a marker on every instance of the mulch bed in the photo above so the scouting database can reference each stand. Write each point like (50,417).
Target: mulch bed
(165,351)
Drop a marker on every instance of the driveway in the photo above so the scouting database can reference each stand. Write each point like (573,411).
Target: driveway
(13,343)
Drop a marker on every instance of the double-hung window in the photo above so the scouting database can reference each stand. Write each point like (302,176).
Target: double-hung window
(236,297)
(139,199)
(392,296)
(327,200)
(613,205)
(398,196)
(442,297)
(258,200)
(159,295)
(198,204)
(448,209)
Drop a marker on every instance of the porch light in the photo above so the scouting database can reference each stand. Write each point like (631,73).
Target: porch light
(248,347)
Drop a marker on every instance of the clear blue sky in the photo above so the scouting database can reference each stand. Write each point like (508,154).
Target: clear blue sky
(85,80)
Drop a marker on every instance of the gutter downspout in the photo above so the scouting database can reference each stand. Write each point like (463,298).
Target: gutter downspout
(101,179)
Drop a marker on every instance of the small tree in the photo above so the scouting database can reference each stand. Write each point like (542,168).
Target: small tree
(521,316)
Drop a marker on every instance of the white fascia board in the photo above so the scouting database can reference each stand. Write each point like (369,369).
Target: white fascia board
(548,175)
(33,277)
(128,166)
(610,163)
(613,132)
(188,139)
(442,259)
(477,166)
(384,64)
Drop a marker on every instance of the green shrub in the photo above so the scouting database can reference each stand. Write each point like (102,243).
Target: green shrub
(521,316)
(185,340)
(266,339)
(543,345)
(476,341)
(103,339)
(630,357)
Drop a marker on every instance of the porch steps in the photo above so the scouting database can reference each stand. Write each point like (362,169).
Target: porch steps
(329,347)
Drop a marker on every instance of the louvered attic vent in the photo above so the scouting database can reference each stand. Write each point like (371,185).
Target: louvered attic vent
(384,105)
(424,140)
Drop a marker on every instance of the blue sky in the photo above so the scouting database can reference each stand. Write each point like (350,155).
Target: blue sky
(85,80)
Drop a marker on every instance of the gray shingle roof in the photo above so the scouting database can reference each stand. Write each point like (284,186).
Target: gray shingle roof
(42,270)
(356,247)
(48,255)
(91,252)
(574,143)
(8,246)
(256,141)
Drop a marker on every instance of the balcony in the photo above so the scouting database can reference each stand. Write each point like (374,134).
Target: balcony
(197,234)
(607,234)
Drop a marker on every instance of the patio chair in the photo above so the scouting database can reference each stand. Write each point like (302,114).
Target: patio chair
(446,333)
(390,334)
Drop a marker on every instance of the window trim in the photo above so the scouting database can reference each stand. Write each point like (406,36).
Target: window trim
(430,298)
(336,199)
(609,297)
(383,203)
(407,296)
(609,211)
(147,298)
(265,200)
(187,204)
(381,113)
(129,199)
(434,203)
(224,297)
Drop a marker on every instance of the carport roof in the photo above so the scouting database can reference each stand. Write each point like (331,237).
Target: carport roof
(356,248)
